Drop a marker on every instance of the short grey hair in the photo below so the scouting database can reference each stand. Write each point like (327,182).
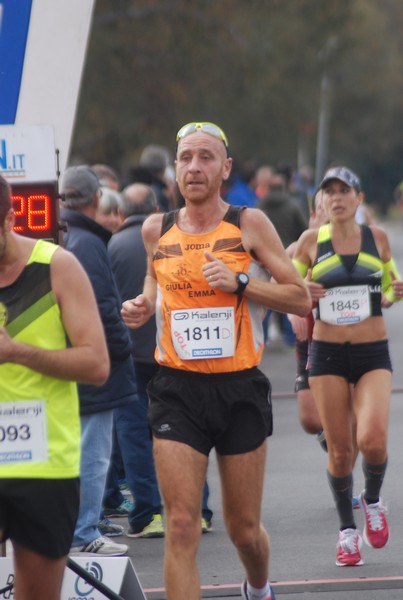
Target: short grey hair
(144,203)
(155,158)
(110,201)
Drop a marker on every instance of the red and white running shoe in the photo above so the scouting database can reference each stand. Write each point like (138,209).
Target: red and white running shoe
(348,549)
(376,529)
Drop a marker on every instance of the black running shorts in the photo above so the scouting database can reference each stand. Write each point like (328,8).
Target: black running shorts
(40,514)
(229,411)
(350,361)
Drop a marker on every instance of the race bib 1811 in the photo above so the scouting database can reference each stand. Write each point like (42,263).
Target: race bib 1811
(203,332)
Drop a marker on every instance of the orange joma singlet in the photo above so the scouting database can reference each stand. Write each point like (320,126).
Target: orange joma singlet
(200,328)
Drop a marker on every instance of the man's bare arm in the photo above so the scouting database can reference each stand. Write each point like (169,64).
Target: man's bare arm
(288,293)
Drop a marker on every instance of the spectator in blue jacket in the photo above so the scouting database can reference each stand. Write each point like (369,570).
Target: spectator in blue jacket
(88,240)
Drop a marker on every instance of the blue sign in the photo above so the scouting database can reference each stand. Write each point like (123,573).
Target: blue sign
(14,25)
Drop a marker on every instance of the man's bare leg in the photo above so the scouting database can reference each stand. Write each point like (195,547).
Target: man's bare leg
(37,576)
(242,477)
(181,473)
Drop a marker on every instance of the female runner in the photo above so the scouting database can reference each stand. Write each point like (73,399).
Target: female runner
(351,267)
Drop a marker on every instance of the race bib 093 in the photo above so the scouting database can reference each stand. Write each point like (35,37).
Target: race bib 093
(23,434)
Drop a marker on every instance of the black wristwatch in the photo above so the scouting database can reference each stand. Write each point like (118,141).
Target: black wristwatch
(242,280)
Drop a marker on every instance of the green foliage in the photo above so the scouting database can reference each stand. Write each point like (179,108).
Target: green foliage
(253,66)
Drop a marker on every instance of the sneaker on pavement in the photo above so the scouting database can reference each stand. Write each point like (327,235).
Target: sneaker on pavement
(348,549)
(121,511)
(245,594)
(106,527)
(206,525)
(155,529)
(376,529)
(101,546)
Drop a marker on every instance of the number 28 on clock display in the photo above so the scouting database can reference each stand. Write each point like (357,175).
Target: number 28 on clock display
(35,209)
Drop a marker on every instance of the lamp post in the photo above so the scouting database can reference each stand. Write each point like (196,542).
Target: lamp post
(322,142)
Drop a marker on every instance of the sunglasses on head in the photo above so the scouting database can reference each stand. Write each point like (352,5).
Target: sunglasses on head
(209,128)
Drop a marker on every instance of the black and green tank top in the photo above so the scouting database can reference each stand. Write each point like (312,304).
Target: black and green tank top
(333,270)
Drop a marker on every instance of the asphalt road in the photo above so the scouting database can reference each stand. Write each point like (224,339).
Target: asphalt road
(298,509)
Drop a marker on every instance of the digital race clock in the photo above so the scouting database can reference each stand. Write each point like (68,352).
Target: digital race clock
(36,210)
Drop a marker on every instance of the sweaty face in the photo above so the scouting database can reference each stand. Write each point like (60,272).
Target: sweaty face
(201,166)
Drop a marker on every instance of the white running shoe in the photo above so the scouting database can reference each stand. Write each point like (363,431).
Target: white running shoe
(101,546)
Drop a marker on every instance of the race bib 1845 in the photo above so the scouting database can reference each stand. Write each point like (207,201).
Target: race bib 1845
(345,305)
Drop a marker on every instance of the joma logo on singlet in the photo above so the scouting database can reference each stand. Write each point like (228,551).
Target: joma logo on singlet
(197,246)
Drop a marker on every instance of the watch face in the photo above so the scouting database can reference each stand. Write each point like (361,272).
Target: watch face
(243,278)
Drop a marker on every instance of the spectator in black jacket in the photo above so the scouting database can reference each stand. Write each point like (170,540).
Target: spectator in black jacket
(283,211)
(290,222)
(128,260)
(88,240)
